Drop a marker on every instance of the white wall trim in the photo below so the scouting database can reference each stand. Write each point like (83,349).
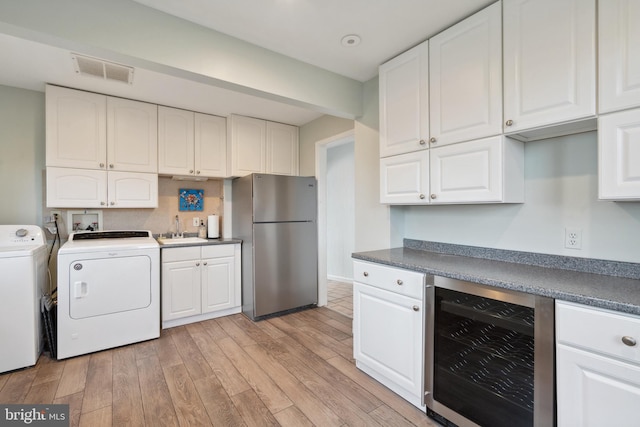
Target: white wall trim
(321,175)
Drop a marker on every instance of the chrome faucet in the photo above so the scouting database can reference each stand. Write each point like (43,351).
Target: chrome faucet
(178,234)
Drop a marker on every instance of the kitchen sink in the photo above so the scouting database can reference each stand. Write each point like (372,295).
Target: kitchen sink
(180,241)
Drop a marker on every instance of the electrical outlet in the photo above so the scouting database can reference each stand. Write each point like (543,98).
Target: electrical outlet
(573,238)
(196,221)
(55,216)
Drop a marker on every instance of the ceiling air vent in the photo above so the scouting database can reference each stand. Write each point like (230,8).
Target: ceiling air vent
(89,66)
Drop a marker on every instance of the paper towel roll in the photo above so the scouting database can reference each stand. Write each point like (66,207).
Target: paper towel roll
(213,225)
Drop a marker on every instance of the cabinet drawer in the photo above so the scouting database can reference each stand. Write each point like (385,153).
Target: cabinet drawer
(181,254)
(216,251)
(405,282)
(598,330)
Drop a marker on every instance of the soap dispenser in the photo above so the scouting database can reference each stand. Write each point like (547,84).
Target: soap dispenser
(202,231)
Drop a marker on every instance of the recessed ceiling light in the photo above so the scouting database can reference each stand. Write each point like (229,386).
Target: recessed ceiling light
(351,40)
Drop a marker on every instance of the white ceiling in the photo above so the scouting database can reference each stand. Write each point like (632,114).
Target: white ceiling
(308,30)
(311,30)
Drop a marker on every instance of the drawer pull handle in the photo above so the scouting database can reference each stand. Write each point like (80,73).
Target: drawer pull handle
(630,341)
(416,308)
(365,274)
(399,282)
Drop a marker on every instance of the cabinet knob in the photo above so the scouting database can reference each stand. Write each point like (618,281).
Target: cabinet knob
(365,274)
(509,123)
(198,172)
(101,165)
(190,170)
(112,203)
(204,263)
(433,196)
(422,196)
(111,165)
(423,142)
(197,264)
(630,341)
(102,203)
(433,140)
(399,282)
(416,308)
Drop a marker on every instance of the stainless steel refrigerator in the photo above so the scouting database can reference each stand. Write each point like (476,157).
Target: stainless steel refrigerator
(276,217)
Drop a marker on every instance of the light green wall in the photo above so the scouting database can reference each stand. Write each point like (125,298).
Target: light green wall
(22,155)
(317,130)
(128,32)
(372,218)
(560,191)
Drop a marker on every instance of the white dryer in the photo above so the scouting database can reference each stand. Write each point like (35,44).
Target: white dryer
(108,291)
(23,272)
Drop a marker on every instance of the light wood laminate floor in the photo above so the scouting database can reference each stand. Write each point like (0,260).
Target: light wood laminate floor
(294,370)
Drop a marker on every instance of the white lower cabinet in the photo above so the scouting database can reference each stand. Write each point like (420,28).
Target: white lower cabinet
(619,156)
(199,283)
(597,366)
(388,328)
(86,188)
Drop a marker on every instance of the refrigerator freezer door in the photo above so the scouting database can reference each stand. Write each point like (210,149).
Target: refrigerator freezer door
(285,266)
(281,198)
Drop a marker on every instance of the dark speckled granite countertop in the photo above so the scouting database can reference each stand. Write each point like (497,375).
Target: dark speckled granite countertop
(607,284)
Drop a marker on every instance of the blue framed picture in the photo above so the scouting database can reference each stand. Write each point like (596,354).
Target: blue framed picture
(191,200)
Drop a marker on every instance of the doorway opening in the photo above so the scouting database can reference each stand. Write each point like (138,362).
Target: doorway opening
(336,221)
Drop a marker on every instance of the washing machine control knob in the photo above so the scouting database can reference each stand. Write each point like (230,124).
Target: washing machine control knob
(21,232)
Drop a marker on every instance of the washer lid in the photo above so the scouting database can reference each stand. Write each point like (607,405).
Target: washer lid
(108,240)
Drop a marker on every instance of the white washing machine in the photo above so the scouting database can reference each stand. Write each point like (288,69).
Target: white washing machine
(23,273)
(108,291)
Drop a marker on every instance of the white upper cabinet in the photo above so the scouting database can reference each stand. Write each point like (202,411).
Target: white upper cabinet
(210,146)
(619,155)
(91,131)
(618,54)
(489,170)
(191,144)
(404,179)
(465,79)
(132,135)
(76,126)
(175,141)
(549,63)
(404,102)
(282,149)
(86,188)
(248,145)
(259,146)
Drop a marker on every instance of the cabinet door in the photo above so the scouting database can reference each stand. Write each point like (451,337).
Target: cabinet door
(465,79)
(76,128)
(175,141)
(132,190)
(181,296)
(619,155)
(282,149)
(248,145)
(76,188)
(618,54)
(468,172)
(404,102)
(132,135)
(595,390)
(549,62)
(404,179)
(388,335)
(218,284)
(210,143)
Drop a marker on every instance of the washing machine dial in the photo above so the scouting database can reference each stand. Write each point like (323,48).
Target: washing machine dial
(22,232)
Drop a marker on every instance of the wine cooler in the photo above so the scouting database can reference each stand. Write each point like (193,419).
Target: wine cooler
(489,356)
